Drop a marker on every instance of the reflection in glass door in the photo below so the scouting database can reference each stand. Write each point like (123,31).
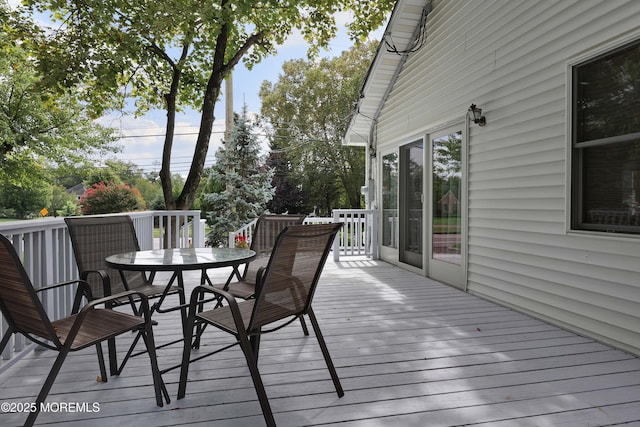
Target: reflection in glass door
(390,200)
(411,203)
(447,198)
(447,237)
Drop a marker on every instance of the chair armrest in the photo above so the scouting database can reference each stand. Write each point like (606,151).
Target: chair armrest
(201,289)
(82,284)
(144,305)
(83,290)
(231,300)
(259,275)
(106,280)
(144,300)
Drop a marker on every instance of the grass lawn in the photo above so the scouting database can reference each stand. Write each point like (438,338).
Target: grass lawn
(8,219)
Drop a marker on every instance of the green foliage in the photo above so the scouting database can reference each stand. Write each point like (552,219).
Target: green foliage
(37,124)
(172,54)
(104,198)
(26,200)
(97,175)
(309,108)
(70,208)
(247,188)
(62,203)
(288,196)
(26,197)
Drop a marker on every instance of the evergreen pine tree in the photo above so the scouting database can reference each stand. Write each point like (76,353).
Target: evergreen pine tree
(247,181)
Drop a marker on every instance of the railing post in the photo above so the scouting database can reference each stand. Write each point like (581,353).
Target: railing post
(373,229)
(198,232)
(336,241)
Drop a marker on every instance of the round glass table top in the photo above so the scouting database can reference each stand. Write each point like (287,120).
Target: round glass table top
(180,258)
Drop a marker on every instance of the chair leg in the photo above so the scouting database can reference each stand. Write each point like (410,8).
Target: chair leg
(113,358)
(325,353)
(305,330)
(183,302)
(44,391)
(186,353)
(5,339)
(159,386)
(252,363)
(128,355)
(183,310)
(103,369)
(254,340)
(198,334)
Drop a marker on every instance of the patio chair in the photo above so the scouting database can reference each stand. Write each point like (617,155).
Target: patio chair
(267,229)
(285,289)
(95,238)
(263,238)
(25,314)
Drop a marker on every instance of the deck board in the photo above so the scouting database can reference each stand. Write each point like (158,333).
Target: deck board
(409,351)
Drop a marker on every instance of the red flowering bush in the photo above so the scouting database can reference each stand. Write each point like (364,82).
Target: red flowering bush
(104,198)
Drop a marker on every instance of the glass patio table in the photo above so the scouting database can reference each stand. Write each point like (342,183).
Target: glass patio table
(177,261)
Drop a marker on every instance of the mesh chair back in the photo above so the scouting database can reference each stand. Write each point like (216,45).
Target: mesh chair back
(267,229)
(20,305)
(94,239)
(288,283)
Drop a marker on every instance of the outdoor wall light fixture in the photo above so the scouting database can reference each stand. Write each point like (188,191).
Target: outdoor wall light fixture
(475,114)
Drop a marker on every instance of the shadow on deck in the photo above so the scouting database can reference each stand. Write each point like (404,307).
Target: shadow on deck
(409,351)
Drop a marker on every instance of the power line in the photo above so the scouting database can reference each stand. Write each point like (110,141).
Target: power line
(162,134)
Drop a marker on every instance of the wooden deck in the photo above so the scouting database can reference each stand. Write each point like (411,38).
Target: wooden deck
(409,351)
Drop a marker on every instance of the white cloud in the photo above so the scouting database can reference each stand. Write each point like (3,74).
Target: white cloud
(143,141)
(14,3)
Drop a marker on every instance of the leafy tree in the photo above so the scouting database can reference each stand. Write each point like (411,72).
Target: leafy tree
(104,198)
(309,108)
(26,200)
(247,187)
(175,54)
(62,203)
(288,196)
(37,125)
(70,208)
(28,196)
(69,175)
(97,175)
(149,191)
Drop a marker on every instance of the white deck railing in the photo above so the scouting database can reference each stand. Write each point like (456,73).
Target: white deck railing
(359,234)
(47,255)
(358,237)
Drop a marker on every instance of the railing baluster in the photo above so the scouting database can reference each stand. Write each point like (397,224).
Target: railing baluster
(45,250)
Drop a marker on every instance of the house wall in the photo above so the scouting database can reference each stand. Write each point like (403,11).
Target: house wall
(512,59)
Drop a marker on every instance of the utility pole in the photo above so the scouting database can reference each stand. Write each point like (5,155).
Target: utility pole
(228,121)
(228,95)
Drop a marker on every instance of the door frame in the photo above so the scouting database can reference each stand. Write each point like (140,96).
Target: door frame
(413,260)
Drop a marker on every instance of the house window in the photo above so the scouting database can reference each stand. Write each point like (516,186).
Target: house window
(606,142)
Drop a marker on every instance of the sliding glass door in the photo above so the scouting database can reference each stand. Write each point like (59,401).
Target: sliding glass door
(448,206)
(411,203)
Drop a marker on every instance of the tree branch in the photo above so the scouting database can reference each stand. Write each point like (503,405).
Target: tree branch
(251,41)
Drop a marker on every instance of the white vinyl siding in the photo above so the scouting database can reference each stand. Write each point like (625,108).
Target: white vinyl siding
(512,58)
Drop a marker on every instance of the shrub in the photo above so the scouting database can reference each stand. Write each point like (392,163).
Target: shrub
(104,198)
